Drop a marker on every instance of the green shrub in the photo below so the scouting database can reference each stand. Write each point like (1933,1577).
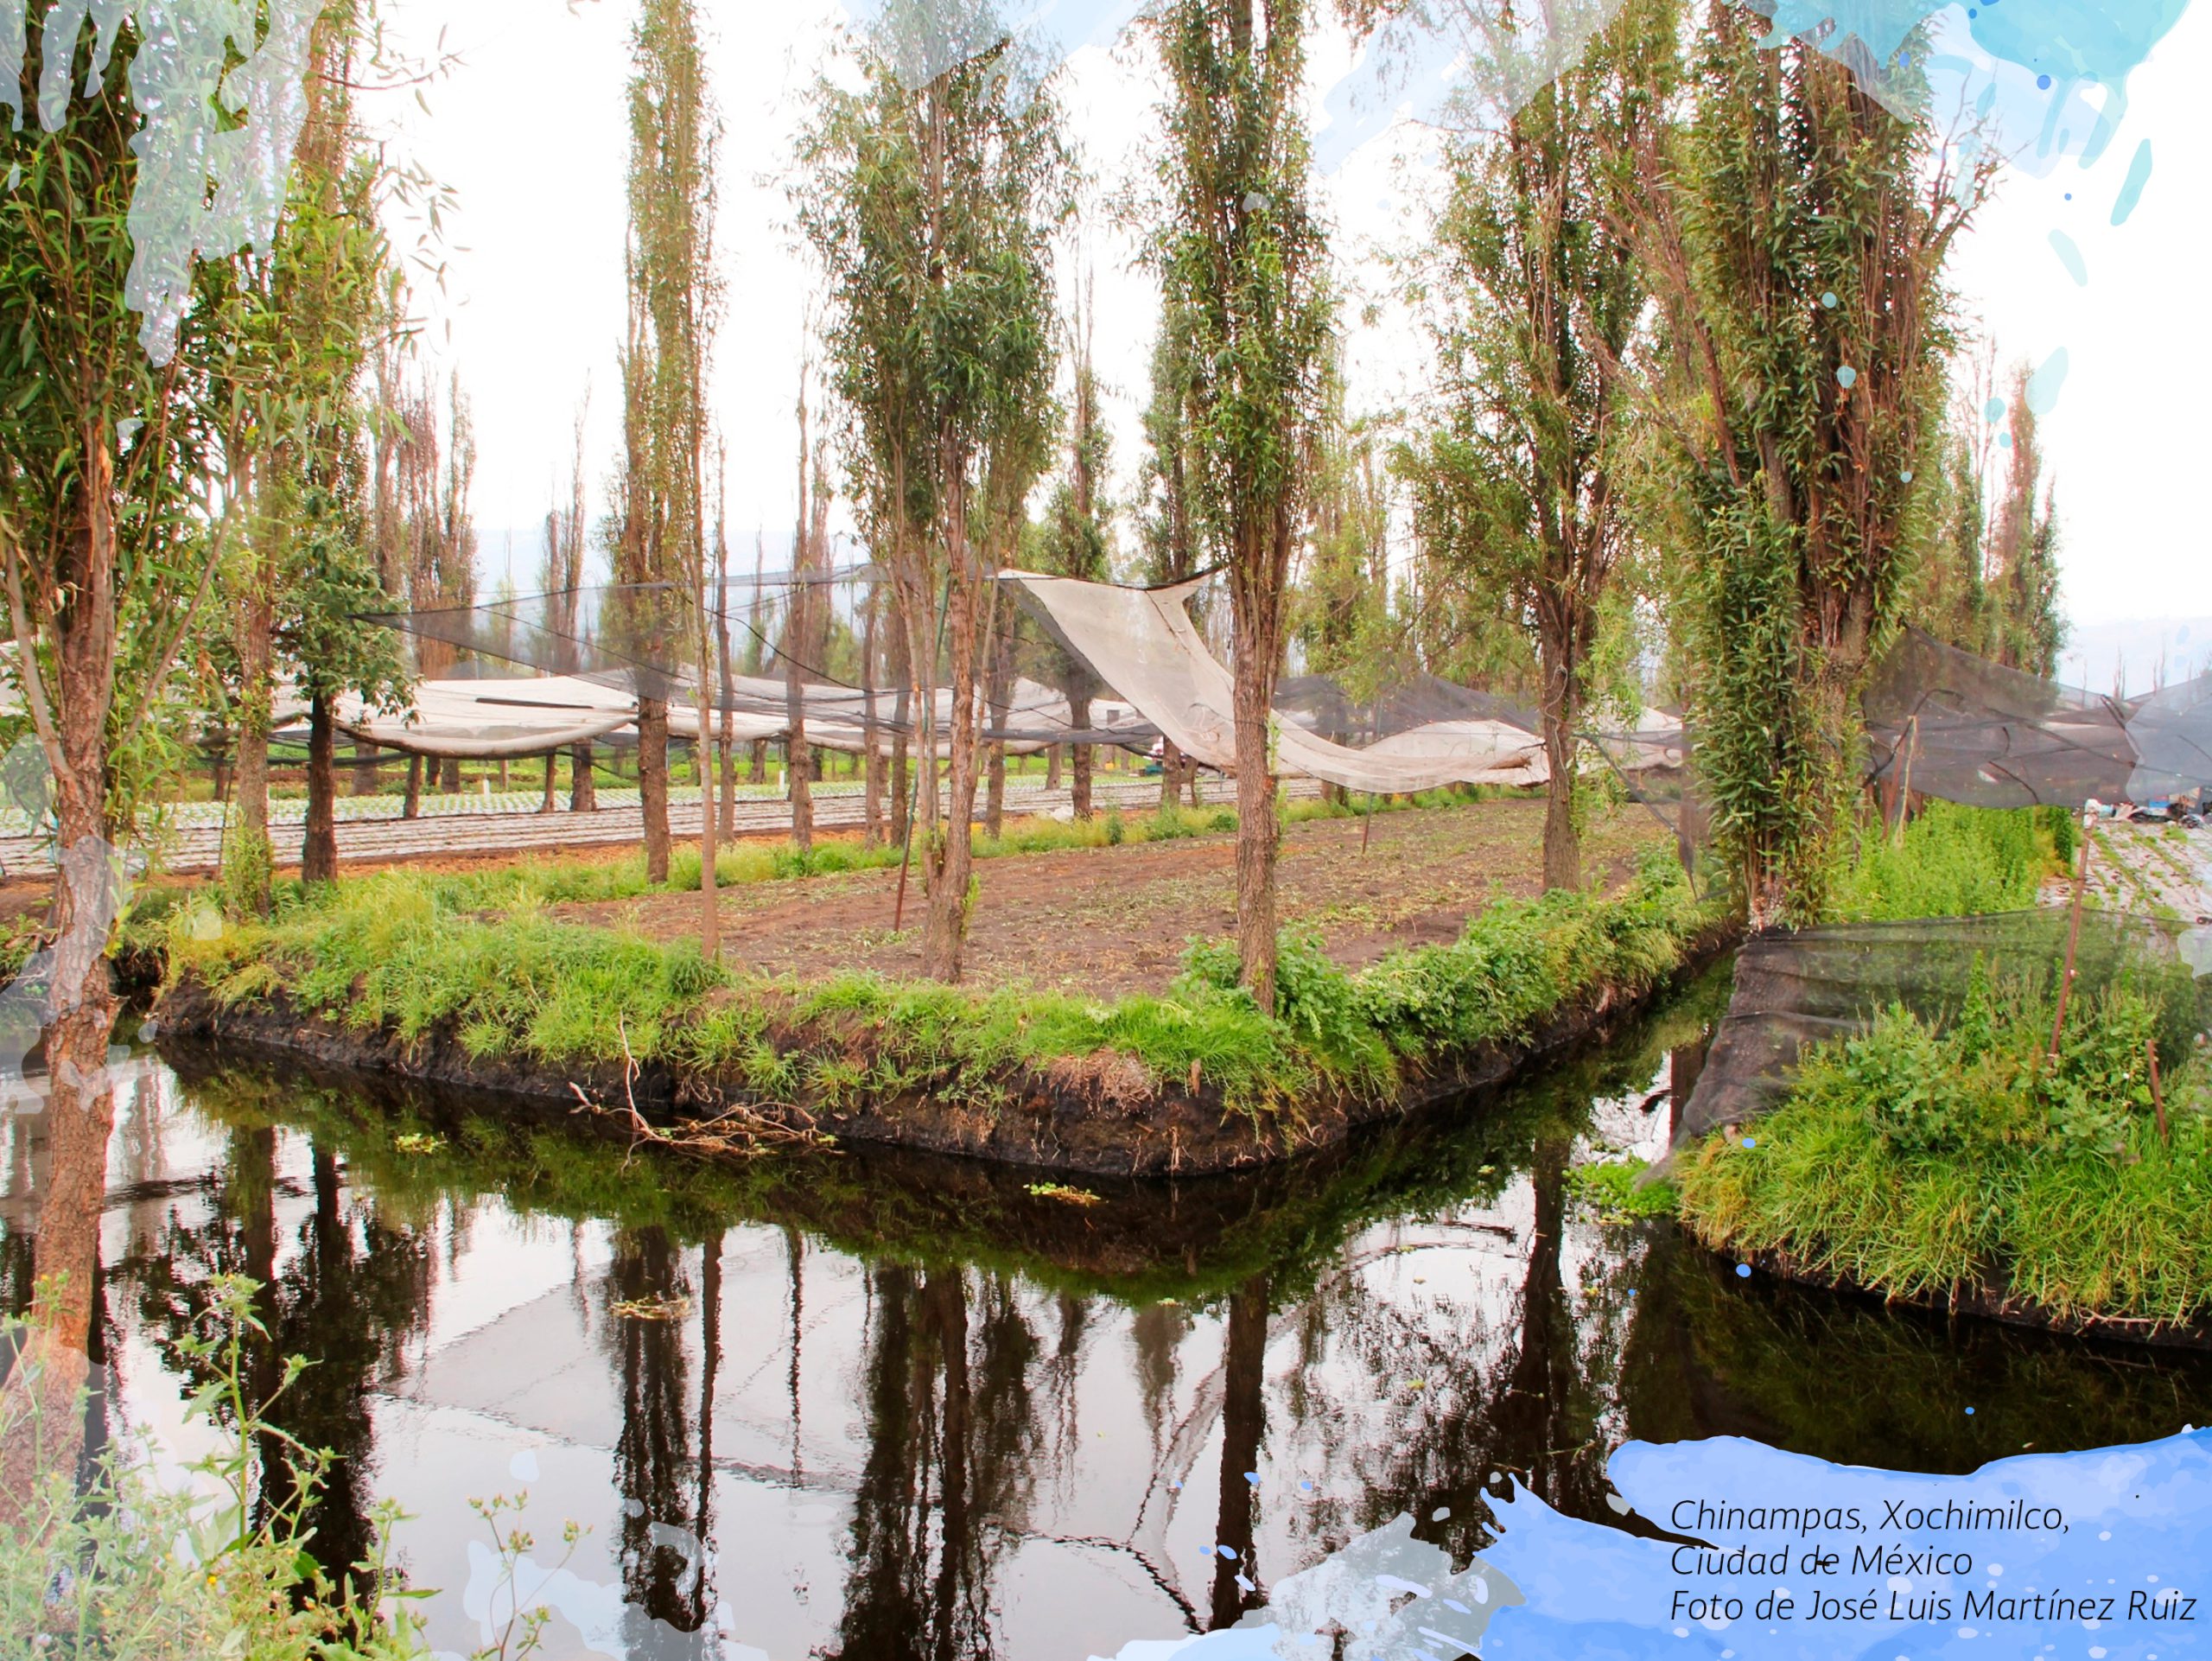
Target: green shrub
(1927,1155)
(1954,862)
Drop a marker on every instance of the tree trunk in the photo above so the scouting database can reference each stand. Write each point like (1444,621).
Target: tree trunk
(583,783)
(998,694)
(1562,840)
(653,784)
(1079,761)
(1256,594)
(549,802)
(1053,767)
(413,807)
(759,761)
(449,775)
(871,759)
(1171,775)
(319,846)
(251,856)
(365,757)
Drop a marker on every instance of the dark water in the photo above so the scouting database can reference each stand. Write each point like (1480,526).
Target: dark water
(910,1408)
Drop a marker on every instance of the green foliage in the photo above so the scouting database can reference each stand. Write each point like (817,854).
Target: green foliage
(126,1568)
(1953,861)
(1613,1188)
(412,957)
(1924,1156)
(1797,252)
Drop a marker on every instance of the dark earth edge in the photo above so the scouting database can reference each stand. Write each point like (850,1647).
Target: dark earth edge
(1079,1116)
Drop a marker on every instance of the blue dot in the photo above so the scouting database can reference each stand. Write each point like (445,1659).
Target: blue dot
(1905,478)
(1971,12)
(1847,378)
(1304,1484)
(1228,1553)
(2043,83)
(1631,1291)
(1743,1271)
(1828,299)
(1970,1413)
(1252,1476)
(1751,1141)
(2069,195)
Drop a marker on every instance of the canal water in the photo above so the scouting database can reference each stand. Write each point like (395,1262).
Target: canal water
(863,1406)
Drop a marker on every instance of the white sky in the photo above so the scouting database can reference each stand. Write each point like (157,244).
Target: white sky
(529,133)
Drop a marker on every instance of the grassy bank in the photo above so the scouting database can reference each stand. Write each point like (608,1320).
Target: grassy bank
(1952,1157)
(465,956)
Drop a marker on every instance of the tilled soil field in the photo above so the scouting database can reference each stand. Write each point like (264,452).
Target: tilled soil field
(1108,921)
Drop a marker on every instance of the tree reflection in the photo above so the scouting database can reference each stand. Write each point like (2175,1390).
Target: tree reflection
(1243,1423)
(953,1444)
(346,1300)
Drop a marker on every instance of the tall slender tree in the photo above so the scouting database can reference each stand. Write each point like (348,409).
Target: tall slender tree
(123,415)
(659,542)
(1536,299)
(2021,574)
(1170,530)
(1240,257)
(1074,543)
(930,193)
(1796,233)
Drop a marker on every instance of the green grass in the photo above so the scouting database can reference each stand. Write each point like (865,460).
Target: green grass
(1954,862)
(414,956)
(1925,1158)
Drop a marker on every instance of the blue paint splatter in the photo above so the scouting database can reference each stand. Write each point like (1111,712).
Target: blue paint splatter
(2044,385)
(1828,299)
(1743,1271)
(2130,192)
(1994,410)
(2070,258)
(1847,377)
(2043,83)
(1570,1590)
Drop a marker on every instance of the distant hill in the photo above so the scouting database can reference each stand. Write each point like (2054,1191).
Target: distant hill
(2143,652)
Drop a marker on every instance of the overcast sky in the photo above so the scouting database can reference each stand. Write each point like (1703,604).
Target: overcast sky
(529,133)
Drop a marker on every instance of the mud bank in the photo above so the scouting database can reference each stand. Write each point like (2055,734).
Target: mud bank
(1083,1114)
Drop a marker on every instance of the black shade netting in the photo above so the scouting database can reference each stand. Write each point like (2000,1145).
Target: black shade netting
(1949,724)
(1795,990)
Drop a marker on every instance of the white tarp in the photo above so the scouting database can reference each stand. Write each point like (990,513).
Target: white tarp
(1141,643)
(491,718)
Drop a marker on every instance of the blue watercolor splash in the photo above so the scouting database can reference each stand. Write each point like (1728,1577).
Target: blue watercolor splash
(2130,191)
(2132,1524)
(2043,386)
(2069,255)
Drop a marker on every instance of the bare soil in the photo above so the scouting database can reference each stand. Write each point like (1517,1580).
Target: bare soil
(1109,921)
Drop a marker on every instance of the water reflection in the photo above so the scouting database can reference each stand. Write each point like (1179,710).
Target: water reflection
(867,1408)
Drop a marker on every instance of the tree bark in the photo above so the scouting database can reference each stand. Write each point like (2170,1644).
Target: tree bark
(251,854)
(319,845)
(758,761)
(365,757)
(583,783)
(950,857)
(998,696)
(549,802)
(1052,766)
(449,775)
(871,758)
(653,784)
(1561,715)
(413,807)
(1256,593)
